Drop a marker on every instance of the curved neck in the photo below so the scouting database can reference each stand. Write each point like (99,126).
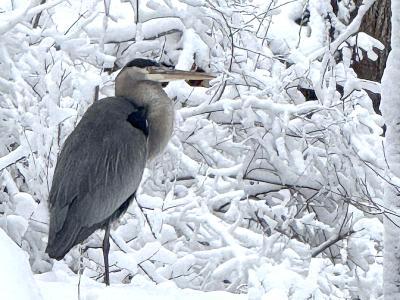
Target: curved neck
(159,108)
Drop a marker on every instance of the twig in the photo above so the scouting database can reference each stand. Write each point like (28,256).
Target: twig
(36,22)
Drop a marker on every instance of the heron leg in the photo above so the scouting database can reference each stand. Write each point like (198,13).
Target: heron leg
(106,250)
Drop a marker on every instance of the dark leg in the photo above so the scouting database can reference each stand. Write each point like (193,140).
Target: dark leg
(106,249)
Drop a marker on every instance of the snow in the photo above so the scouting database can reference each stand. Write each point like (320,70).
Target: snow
(16,278)
(262,190)
(17,282)
(390,111)
(13,156)
(139,288)
(60,285)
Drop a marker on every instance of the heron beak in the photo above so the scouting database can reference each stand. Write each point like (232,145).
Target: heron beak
(162,75)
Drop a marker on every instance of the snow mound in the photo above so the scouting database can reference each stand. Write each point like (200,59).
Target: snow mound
(16,278)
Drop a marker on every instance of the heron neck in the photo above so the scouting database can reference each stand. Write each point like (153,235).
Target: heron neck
(160,112)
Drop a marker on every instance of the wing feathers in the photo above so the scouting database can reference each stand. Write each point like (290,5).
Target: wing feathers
(99,168)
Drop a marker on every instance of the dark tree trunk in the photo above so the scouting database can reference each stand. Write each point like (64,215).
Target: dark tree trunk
(376,23)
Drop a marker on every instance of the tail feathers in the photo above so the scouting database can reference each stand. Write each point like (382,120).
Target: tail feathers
(62,241)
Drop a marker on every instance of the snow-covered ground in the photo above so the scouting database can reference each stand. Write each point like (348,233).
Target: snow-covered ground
(138,289)
(18,283)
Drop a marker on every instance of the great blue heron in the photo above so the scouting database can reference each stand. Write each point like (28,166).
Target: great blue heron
(102,161)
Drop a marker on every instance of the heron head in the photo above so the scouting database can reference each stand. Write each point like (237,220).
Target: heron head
(141,69)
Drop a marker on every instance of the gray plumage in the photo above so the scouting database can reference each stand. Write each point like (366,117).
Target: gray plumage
(92,169)
(101,163)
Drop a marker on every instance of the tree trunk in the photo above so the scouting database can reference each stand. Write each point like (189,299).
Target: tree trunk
(376,23)
(391,112)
